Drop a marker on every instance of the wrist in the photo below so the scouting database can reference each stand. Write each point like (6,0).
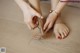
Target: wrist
(53,11)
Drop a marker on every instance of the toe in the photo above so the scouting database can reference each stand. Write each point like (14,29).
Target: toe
(62,34)
(58,36)
(67,29)
(65,33)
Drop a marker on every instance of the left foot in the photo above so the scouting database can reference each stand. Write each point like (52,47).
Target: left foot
(61,31)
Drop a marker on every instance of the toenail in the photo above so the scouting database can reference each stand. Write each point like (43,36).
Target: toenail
(59,37)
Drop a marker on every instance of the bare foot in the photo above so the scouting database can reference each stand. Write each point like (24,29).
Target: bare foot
(61,31)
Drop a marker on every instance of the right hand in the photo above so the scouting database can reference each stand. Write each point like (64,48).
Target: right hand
(31,18)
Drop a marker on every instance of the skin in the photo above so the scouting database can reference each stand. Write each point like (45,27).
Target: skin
(60,29)
(29,12)
(57,6)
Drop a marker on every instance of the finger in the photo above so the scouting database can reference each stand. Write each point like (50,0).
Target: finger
(47,30)
(49,27)
(45,25)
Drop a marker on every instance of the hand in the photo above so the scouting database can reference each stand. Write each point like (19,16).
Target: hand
(31,18)
(50,21)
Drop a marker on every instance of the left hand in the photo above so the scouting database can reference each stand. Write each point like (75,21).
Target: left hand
(50,21)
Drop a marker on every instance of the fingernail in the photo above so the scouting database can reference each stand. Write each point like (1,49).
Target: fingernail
(59,37)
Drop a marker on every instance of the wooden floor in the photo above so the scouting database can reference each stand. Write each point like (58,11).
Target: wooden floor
(16,37)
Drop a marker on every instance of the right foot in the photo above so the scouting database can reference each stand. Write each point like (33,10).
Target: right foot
(61,31)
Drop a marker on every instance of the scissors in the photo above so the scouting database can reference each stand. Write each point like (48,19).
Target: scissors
(40,27)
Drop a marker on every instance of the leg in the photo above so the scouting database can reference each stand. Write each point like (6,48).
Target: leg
(60,29)
(54,4)
(35,4)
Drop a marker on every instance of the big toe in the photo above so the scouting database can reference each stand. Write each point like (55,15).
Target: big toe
(57,35)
